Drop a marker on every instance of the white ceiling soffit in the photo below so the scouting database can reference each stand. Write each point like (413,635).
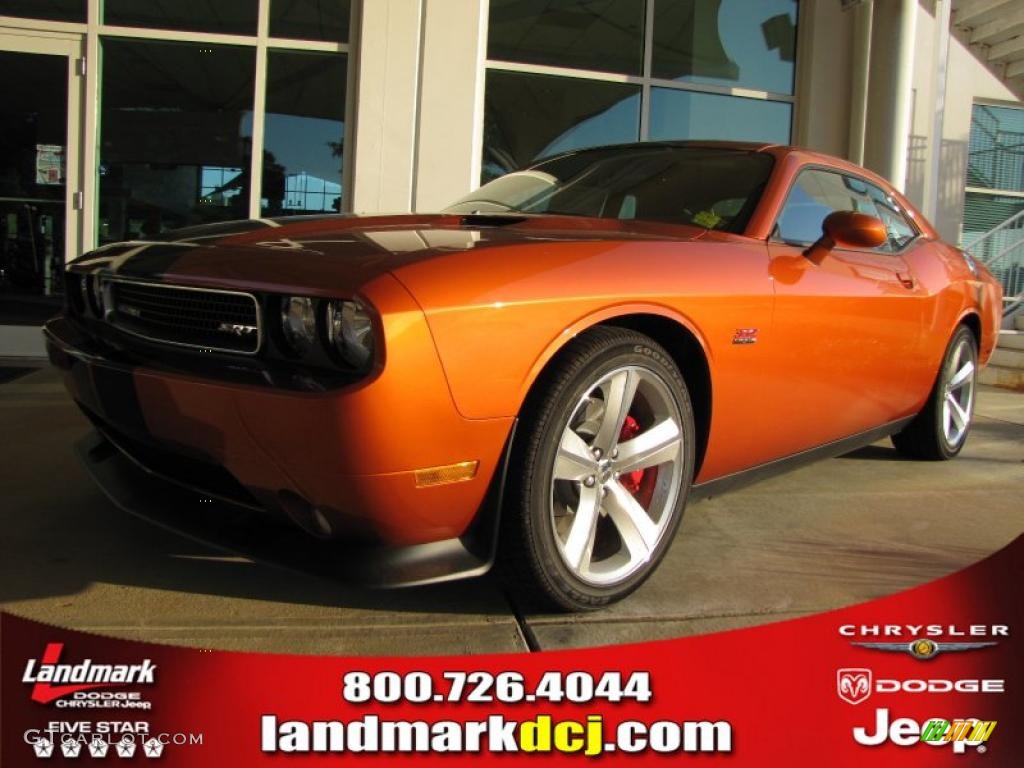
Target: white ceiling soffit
(994,29)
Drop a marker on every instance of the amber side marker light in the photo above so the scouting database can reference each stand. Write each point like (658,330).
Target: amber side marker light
(450,473)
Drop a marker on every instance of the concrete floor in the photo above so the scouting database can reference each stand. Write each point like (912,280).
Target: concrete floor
(835,533)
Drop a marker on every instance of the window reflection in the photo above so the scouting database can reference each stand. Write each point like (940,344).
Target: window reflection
(54,10)
(584,34)
(743,43)
(818,193)
(531,116)
(33,140)
(175,136)
(303,133)
(311,19)
(691,115)
(996,159)
(712,188)
(235,17)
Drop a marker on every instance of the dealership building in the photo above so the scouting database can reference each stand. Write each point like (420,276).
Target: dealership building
(120,119)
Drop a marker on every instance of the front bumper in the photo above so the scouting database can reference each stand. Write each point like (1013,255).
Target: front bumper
(245,530)
(349,454)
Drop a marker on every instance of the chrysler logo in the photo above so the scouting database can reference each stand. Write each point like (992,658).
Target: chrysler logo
(853,685)
(924,648)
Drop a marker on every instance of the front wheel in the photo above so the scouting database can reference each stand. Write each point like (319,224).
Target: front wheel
(601,471)
(940,430)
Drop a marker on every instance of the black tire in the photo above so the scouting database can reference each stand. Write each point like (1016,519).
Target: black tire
(925,437)
(528,553)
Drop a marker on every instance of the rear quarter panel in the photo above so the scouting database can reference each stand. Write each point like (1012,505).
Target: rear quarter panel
(957,292)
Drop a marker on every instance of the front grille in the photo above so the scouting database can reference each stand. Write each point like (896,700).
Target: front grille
(193,317)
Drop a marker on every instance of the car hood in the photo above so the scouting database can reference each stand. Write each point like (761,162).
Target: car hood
(335,255)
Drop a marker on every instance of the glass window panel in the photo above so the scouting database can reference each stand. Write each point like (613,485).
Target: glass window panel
(53,10)
(996,154)
(33,215)
(816,194)
(531,116)
(311,19)
(744,43)
(233,17)
(176,135)
(716,188)
(303,133)
(691,115)
(899,228)
(584,34)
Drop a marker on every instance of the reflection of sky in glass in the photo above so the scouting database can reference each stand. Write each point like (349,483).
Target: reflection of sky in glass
(213,178)
(300,144)
(618,124)
(688,115)
(739,27)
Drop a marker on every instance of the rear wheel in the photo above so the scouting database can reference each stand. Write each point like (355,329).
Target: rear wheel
(600,473)
(940,430)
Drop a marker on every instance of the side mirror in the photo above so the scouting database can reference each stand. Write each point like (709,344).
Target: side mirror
(848,228)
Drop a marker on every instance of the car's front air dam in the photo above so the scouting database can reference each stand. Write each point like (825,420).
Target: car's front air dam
(351,453)
(238,530)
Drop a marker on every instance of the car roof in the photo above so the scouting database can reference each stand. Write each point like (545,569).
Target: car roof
(740,146)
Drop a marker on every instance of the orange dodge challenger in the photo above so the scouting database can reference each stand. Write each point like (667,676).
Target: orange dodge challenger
(542,374)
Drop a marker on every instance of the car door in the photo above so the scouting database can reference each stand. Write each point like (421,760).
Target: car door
(846,325)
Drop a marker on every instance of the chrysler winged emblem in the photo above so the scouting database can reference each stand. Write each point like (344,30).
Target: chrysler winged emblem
(923,648)
(853,685)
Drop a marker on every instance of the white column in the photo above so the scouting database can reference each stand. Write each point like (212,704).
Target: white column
(387,82)
(450,141)
(890,101)
(861,66)
(943,10)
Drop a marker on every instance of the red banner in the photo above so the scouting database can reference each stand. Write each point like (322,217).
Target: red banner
(928,677)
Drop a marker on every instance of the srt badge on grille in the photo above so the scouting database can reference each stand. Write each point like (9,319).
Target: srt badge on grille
(237,329)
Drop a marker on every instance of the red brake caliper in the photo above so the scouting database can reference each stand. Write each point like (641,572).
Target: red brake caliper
(631,480)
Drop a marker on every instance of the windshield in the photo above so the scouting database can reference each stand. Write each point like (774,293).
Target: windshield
(706,187)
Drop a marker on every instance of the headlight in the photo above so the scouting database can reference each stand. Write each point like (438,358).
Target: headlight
(350,332)
(298,323)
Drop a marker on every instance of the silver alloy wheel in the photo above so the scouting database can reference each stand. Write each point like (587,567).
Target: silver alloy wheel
(958,382)
(617,475)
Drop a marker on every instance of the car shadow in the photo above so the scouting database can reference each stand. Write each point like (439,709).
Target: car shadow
(876,453)
(62,538)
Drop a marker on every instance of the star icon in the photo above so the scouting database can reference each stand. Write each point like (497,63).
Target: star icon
(43,748)
(154,748)
(71,748)
(98,747)
(125,748)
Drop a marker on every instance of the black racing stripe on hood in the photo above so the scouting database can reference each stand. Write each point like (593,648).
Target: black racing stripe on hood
(153,260)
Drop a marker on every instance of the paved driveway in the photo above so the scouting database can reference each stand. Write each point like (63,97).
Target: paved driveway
(835,533)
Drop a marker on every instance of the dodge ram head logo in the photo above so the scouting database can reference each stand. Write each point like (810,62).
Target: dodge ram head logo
(853,685)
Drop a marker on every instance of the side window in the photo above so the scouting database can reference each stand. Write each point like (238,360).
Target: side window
(900,230)
(816,194)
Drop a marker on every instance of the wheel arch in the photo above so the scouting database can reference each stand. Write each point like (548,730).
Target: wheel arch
(972,320)
(676,334)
